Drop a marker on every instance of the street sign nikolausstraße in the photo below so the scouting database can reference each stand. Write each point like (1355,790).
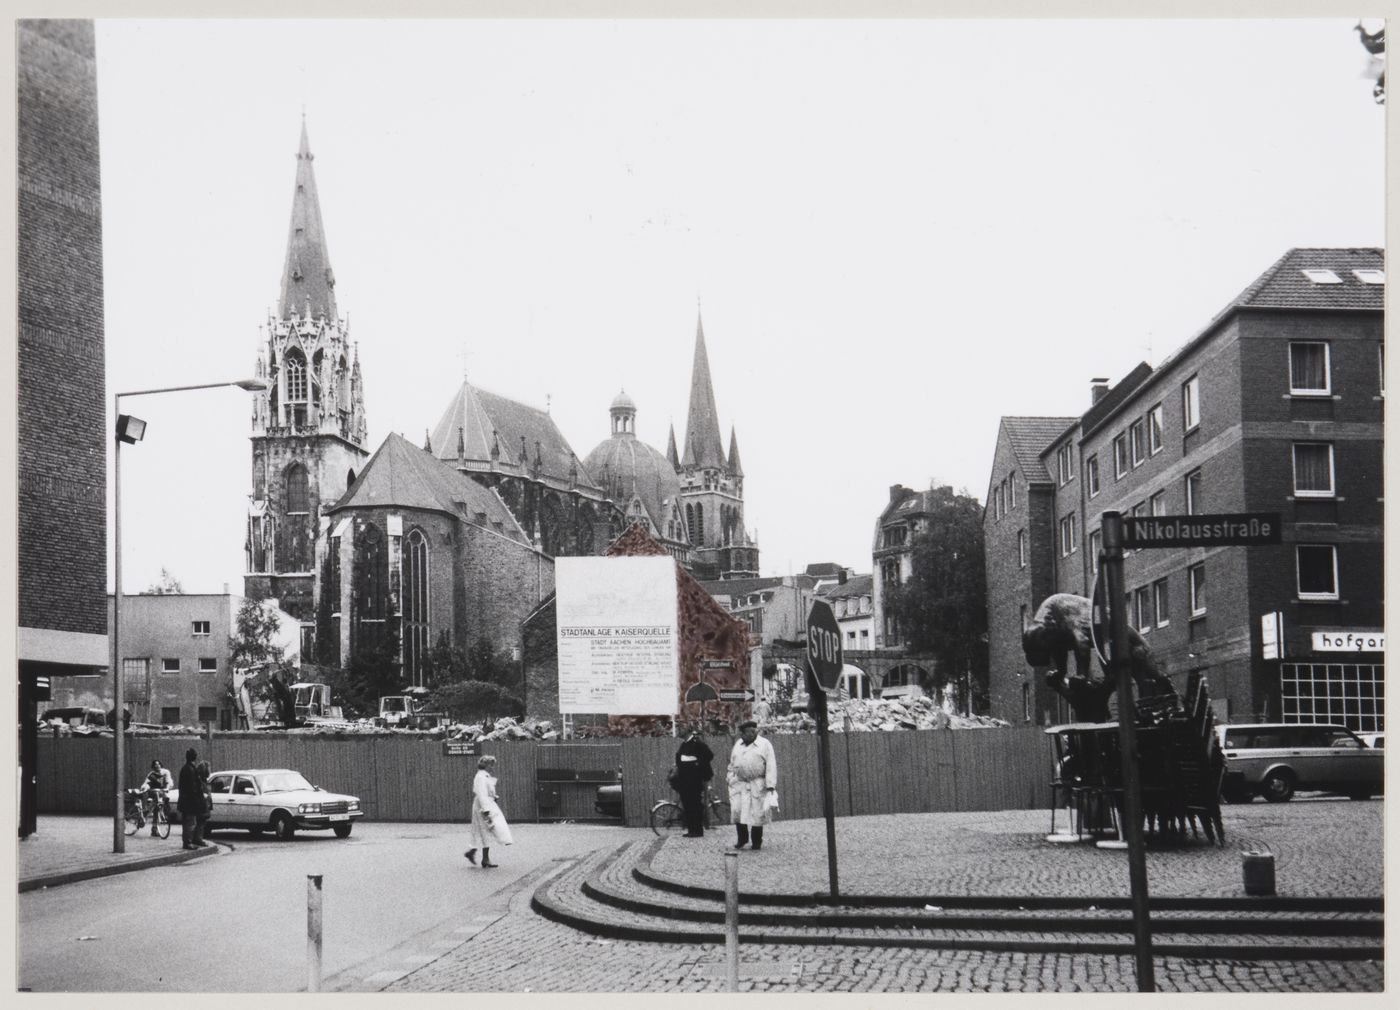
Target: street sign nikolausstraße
(1234,529)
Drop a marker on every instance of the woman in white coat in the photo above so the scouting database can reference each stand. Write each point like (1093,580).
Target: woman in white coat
(753,779)
(487,820)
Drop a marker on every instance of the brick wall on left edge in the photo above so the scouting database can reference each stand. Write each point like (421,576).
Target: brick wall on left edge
(62,394)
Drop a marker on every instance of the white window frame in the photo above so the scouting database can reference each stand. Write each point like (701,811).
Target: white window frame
(1021,551)
(1161,603)
(165,665)
(1095,545)
(1067,537)
(1322,276)
(212,668)
(1064,462)
(1011,488)
(1192,505)
(1120,455)
(1156,418)
(1191,404)
(1326,388)
(1157,504)
(1331,490)
(1137,442)
(1335,593)
(1195,588)
(1369,276)
(199,629)
(1091,474)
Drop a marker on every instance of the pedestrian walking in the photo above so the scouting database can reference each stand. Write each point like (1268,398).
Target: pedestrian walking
(191,803)
(753,785)
(694,769)
(487,821)
(207,798)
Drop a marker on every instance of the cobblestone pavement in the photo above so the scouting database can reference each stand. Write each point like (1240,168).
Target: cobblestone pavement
(1322,848)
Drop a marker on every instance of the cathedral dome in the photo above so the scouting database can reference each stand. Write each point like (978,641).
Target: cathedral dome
(623,402)
(627,468)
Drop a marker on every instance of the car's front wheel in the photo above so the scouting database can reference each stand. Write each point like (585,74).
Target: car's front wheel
(1278,787)
(342,830)
(283,827)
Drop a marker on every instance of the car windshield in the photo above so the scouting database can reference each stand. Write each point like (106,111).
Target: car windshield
(282,782)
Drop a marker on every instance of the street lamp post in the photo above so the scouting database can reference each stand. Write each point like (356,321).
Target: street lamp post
(132,429)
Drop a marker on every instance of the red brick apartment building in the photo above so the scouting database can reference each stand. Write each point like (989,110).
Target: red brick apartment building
(1277,405)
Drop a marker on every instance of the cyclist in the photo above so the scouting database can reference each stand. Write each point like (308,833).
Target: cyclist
(158,782)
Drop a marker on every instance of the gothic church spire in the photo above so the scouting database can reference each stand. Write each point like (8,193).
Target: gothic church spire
(703,446)
(308,286)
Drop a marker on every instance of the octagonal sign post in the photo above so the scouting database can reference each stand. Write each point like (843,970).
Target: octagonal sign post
(824,650)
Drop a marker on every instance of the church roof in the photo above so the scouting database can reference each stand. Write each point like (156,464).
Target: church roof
(482,421)
(400,475)
(626,467)
(703,447)
(306,274)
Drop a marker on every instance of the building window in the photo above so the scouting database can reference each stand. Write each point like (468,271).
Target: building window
(1021,547)
(896,536)
(298,497)
(1370,276)
(208,714)
(169,666)
(1067,535)
(1309,368)
(199,628)
(170,716)
(1157,504)
(1322,276)
(1317,572)
(1136,439)
(1352,694)
(1191,403)
(1193,493)
(1154,429)
(1161,610)
(1196,583)
(296,377)
(208,664)
(1142,609)
(1095,545)
(415,606)
(136,680)
(1064,459)
(1091,474)
(1011,489)
(1313,475)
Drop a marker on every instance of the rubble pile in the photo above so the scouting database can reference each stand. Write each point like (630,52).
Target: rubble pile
(862,715)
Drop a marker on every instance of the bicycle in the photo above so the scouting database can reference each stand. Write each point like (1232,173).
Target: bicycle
(668,816)
(141,807)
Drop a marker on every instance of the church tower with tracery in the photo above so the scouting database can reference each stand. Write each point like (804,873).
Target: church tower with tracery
(309,423)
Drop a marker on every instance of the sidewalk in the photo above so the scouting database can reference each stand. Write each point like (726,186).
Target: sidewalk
(66,848)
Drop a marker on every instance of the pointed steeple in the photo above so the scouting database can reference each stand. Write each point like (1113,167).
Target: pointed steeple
(307,281)
(703,447)
(671,455)
(734,467)
(427,441)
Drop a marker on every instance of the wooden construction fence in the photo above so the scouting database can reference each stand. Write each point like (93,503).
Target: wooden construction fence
(411,778)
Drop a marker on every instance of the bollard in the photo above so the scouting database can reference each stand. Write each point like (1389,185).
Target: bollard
(731,917)
(313,932)
(1258,873)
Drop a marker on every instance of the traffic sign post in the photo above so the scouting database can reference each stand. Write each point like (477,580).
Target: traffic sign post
(825,659)
(1121,667)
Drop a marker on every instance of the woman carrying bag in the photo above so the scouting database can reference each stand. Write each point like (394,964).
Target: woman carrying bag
(487,820)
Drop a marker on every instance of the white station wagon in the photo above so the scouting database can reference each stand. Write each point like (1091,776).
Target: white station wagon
(277,800)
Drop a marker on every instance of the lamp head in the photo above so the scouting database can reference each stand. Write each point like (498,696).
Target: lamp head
(251,385)
(130,429)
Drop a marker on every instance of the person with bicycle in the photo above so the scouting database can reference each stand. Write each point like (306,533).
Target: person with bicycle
(753,785)
(153,790)
(692,774)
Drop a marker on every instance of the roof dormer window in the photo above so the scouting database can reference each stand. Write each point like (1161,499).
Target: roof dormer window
(1322,276)
(1370,276)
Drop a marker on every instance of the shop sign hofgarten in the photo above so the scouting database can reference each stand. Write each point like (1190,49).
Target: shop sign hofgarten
(1348,641)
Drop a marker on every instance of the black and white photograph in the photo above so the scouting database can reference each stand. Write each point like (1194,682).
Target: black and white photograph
(724,500)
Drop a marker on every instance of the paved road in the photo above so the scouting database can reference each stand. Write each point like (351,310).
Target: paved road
(237,922)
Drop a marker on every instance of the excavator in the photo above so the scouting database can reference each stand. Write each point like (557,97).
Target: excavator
(291,706)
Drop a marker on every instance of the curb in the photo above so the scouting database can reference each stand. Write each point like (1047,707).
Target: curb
(112,869)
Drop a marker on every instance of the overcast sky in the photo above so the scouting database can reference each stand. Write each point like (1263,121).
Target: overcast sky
(897,232)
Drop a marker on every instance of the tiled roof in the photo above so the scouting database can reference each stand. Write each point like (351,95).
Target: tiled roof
(401,475)
(1109,402)
(856,585)
(1285,286)
(1031,436)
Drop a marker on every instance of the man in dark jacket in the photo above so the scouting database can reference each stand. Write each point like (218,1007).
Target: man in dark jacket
(191,801)
(693,770)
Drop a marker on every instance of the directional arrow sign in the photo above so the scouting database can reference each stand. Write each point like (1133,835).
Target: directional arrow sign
(741,695)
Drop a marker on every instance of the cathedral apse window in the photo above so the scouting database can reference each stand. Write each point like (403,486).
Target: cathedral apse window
(415,606)
(298,492)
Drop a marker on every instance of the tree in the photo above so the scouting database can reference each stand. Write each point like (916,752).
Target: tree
(166,585)
(254,638)
(942,609)
(475,701)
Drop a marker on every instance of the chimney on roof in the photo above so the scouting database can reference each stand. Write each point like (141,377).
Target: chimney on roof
(896,492)
(1098,389)
(841,577)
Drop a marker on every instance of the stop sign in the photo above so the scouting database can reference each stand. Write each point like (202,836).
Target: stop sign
(824,645)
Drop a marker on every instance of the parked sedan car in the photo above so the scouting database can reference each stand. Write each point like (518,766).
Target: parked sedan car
(1274,760)
(277,800)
